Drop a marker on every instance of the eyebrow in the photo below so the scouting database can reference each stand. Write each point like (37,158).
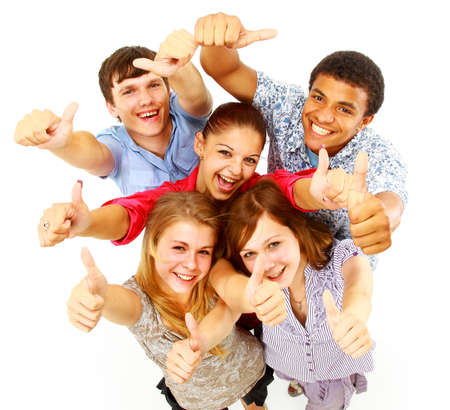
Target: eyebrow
(186,244)
(269,239)
(345,103)
(232,149)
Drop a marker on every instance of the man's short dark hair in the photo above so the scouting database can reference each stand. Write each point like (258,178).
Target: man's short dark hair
(119,66)
(355,69)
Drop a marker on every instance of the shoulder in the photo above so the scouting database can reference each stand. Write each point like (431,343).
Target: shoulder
(180,115)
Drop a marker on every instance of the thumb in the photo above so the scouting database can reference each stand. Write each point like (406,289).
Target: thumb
(358,185)
(256,279)
(248,37)
(144,64)
(95,279)
(330,306)
(76,194)
(195,337)
(324,162)
(69,113)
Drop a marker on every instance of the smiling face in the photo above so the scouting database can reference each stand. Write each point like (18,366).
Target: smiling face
(183,256)
(274,249)
(142,104)
(227,160)
(333,114)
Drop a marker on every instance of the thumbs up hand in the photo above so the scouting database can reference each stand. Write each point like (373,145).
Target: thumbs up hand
(44,129)
(329,187)
(174,52)
(369,223)
(186,355)
(223,30)
(64,220)
(266,297)
(350,334)
(86,302)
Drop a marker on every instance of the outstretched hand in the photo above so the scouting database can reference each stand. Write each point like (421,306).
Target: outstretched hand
(86,302)
(186,355)
(266,297)
(64,220)
(350,334)
(175,52)
(44,129)
(224,30)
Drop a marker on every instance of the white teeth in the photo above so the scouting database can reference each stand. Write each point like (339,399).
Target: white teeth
(319,130)
(227,179)
(184,277)
(148,114)
(276,274)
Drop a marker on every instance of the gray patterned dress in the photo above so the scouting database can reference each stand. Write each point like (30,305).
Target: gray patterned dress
(216,383)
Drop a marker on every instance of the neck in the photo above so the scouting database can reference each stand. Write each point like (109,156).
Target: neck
(297,286)
(156,144)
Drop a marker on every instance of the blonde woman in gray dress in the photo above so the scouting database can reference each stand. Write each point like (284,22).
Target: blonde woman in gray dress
(163,306)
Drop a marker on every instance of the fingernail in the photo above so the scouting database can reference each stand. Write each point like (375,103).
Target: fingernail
(322,146)
(80,182)
(325,199)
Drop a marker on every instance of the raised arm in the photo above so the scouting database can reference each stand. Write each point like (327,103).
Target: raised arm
(45,130)
(248,295)
(173,62)
(220,35)
(93,298)
(348,326)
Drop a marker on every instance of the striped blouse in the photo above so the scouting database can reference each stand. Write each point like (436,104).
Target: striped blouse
(309,354)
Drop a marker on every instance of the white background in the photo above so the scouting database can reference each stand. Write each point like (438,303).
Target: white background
(51,53)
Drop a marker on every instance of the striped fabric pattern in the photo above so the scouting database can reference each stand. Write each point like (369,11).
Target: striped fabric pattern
(310,354)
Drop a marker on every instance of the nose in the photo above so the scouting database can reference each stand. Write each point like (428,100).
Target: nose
(263,263)
(190,262)
(325,115)
(144,98)
(236,166)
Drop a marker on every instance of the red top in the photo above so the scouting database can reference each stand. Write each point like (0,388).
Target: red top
(140,204)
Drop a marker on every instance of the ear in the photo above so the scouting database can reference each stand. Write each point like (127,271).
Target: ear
(199,144)
(365,122)
(111,109)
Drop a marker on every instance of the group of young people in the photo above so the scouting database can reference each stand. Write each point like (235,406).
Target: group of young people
(223,246)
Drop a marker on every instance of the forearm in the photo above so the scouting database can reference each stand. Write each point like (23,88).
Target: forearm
(225,67)
(82,150)
(358,277)
(230,286)
(303,197)
(108,222)
(122,306)
(193,95)
(217,325)
(393,207)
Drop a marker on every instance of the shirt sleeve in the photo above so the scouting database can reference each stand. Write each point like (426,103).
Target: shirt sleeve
(387,170)
(197,122)
(115,146)
(138,207)
(286,181)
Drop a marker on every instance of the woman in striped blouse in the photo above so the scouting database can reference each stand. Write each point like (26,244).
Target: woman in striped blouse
(324,343)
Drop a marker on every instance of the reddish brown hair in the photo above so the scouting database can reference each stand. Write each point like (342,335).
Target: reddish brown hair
(314,238)
(235,114)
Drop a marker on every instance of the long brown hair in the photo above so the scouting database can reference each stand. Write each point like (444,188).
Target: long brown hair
(314,238)
(171,208)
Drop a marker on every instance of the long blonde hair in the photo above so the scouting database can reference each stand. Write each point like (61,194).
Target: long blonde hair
(171,208)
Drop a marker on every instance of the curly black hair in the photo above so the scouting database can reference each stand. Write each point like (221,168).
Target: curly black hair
(356,69)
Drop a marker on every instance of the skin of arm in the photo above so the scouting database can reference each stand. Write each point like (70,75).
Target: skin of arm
(122,306)
(108,222)
(393,208)
(213,334)
(225,67)
(193,96)
(82,150)
(358,279)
